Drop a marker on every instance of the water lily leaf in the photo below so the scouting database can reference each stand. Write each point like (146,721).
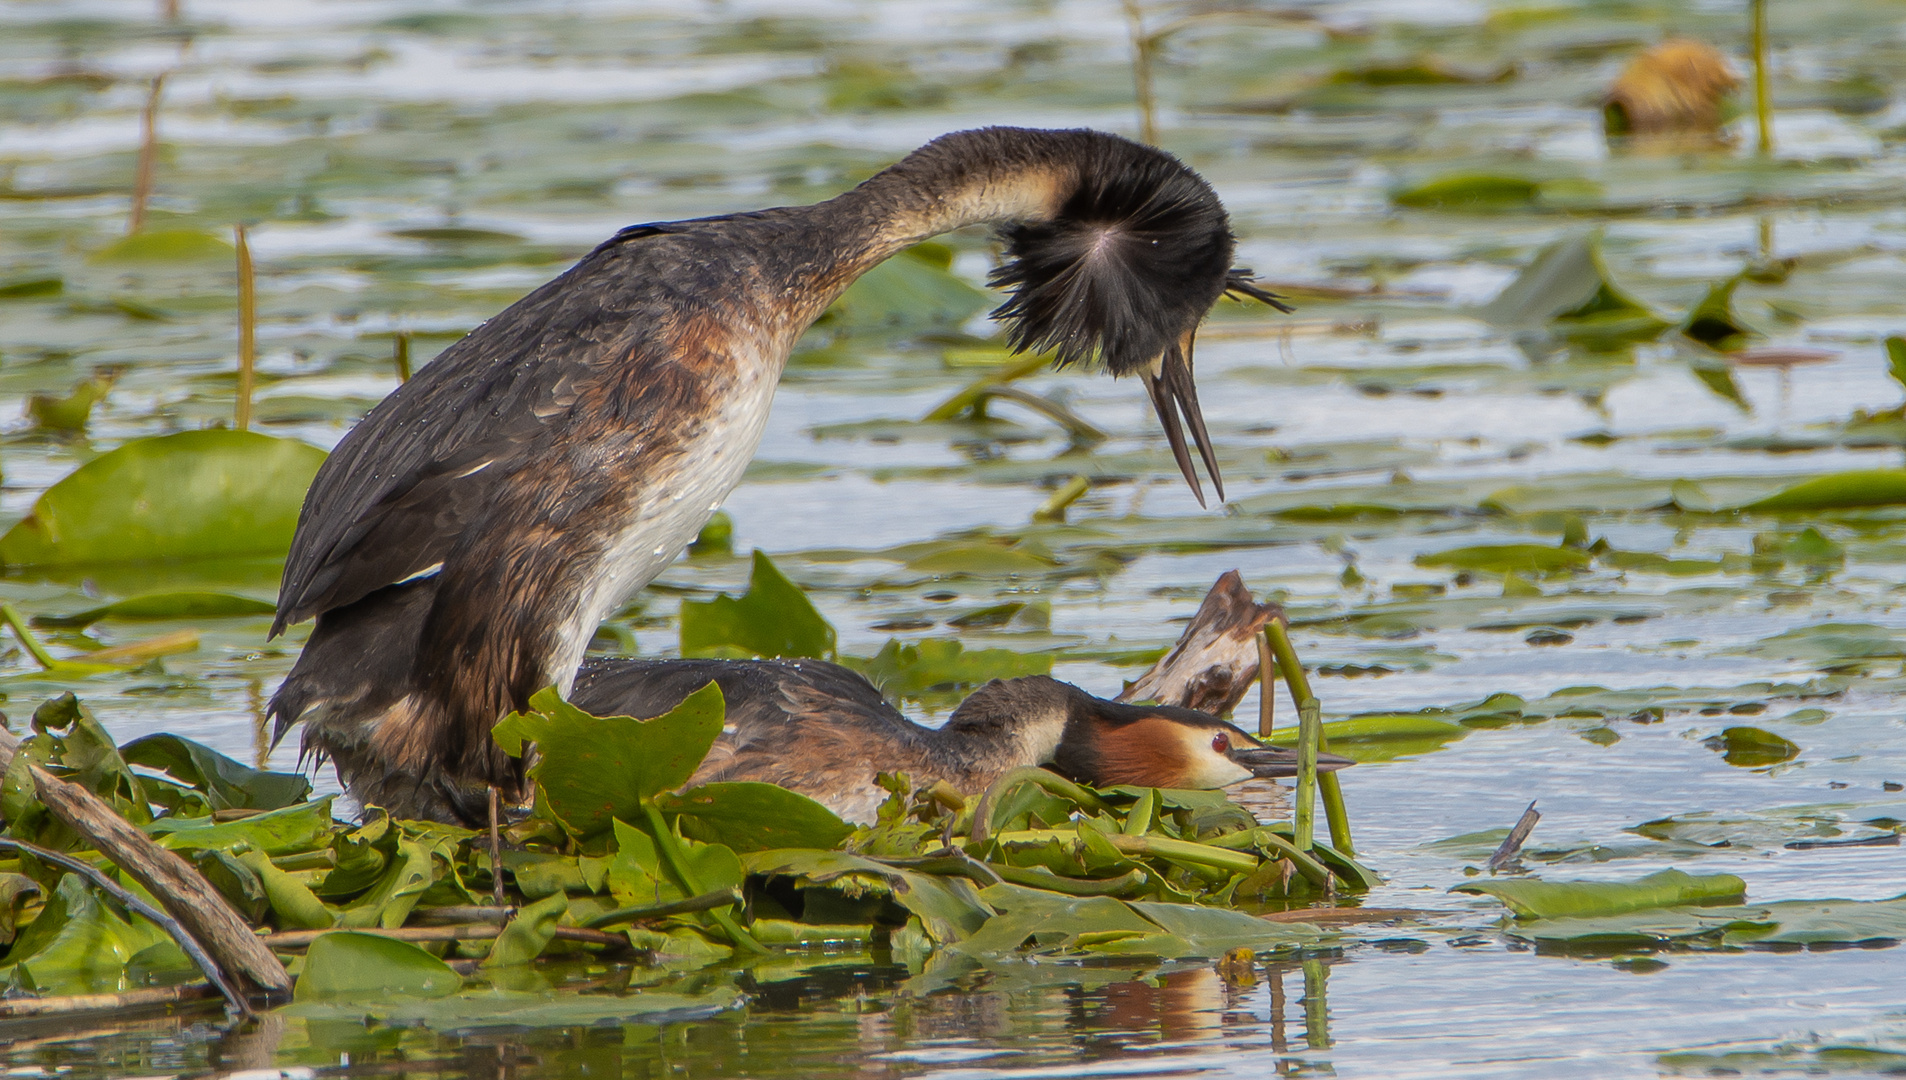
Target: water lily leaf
(192,495)
(635,873)
(1212,932)
(1533,898)
(75,946)
(166,605)
(1838,491)
(71,413)
(774,618)
(295,906)
(914,288)
(1051,921)
(299,827)
(754,817)
(1379,737)
(527,935)
(540,873)
(942,665)
(1751,747)
(1762,829)
(592,770)
(1823,922)
(359,967)
(68,740)
(1712,322)
(227,784)
(410,872)
(482,1009)
(1510,559)
(1469,191)
(948,908)
(1831,645)
(1896,359)
(958,559)
(167,246)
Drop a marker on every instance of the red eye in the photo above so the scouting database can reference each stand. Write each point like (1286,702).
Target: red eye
(1221,743)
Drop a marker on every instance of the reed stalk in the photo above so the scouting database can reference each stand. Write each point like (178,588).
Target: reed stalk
(1762,106)
(1278,635)
(1266,687)
(1304,804)
(247,331)
(148,157)
(400,354)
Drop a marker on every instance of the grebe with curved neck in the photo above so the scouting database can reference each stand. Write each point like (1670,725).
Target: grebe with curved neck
(461,545)
(826,732)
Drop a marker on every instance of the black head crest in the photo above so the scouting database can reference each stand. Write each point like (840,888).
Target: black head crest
(1123,274)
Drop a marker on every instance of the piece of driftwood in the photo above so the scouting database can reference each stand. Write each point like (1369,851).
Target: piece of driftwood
(198,907)
(1512,844)
(298,939)
(20,1008)
(1216,659)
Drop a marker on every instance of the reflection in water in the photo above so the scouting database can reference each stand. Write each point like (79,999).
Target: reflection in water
(845,1017)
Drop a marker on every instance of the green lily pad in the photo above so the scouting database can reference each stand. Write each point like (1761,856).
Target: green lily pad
(298,827)
(913,288)
(1470,191)
(593,769)
(193,495)
(774,618)
(227,784)
(1751,747)
(1838,491)
(1533,898)
(166,605)
(358,967)
(942,665)
(167,246)
(1510,559)
(754,817)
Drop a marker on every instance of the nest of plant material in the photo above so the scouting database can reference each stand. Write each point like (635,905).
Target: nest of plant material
(222,878)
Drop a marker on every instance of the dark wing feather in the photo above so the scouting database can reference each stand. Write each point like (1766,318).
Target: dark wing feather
(405,483)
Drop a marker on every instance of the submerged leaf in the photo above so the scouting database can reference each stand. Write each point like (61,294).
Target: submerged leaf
(167,605)
(1510,558)
(193,495)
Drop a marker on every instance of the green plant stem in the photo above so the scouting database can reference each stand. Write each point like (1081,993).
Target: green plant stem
(1305,862)
(28,642)
(1266,687)
(1041,878)
(1292,669)
(1045,778)
(1143,46)
(400,354)
(1310,724)
(678,861)
(709,901)
(247,330)
(1762,106)
(973,395)
(1054,509)
(1316,1005)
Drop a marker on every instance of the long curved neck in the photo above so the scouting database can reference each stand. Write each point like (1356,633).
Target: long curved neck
(992,175)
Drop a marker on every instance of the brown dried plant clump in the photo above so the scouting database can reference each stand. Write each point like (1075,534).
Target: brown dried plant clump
(1676,86)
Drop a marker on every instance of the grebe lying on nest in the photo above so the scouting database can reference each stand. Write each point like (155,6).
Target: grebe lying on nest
(823,730)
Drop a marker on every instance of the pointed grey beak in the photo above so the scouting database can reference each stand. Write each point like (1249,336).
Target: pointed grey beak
(1173,392)
(1269,762)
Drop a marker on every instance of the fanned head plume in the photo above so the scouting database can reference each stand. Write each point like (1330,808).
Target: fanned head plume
(1123,274)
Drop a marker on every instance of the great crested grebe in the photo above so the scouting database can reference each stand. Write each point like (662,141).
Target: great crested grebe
(822,730)
(463,542)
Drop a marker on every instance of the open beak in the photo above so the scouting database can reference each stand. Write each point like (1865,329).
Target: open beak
(1269,762)
(1173,392)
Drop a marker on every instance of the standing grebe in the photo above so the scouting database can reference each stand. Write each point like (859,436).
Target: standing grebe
(822,730)
(463,542)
